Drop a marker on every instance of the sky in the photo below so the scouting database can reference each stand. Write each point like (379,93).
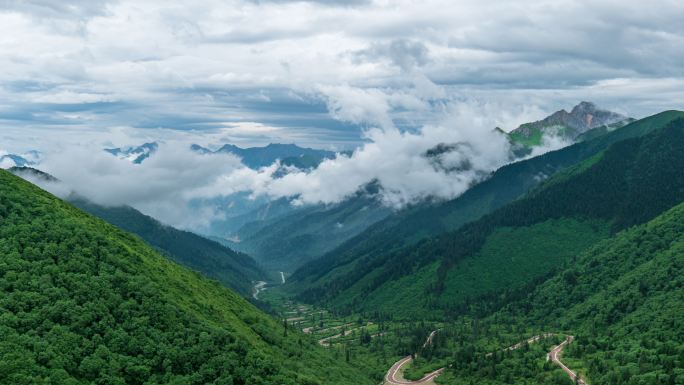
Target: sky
(391,77)
(320,73)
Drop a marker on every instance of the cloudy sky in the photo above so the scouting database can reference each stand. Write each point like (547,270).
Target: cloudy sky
(395,77)
(321,72)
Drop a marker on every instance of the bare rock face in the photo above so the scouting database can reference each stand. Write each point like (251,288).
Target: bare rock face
(582,118)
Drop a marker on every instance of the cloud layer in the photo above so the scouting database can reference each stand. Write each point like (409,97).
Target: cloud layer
(394,79)
(93,65)
(180,186)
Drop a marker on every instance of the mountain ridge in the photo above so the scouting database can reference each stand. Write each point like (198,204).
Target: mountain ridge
(354,281)
(569,125)
(257,157)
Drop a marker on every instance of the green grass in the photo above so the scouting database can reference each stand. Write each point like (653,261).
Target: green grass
(534,139)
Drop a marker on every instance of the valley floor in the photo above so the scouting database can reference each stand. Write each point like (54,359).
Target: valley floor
(397,352)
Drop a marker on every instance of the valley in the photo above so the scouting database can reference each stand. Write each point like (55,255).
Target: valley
(485,292)
(570,278)
(341,192)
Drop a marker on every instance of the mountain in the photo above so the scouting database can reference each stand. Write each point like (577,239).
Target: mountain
(240,209)
(31,173)
(300,234)
(503,186)
(621,299)
(134,154)
(235,270)
(84,302)
(29,158)
(517,243)
(257,157)
(569,125)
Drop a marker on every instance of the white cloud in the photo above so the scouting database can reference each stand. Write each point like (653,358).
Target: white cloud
(197,64)
(6,163)
(396,77)
(177,185)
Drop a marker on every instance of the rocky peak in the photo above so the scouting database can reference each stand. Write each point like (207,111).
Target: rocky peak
(582,118)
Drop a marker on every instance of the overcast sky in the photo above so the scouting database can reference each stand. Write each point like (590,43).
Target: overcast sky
(321,73)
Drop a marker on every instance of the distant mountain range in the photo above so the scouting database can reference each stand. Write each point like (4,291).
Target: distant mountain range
(288,154)
(569,125)
(134,154)
(29,158)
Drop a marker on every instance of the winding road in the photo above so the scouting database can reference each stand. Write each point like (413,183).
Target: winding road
(258,288)
(554,355)
(395,375)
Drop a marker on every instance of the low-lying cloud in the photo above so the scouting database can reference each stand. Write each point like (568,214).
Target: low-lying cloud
(181,187)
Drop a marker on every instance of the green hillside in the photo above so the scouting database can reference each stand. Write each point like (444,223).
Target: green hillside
(86,303)
(286,242)
(622,299)
(235,270)
(630,183)
(505,185)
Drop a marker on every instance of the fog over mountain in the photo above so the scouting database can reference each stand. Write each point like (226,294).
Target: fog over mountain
(385,81)
(174,180)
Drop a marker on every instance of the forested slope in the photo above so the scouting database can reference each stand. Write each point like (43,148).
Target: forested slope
(286,242)
(622,299)
(233,269)
(505,185)
(631,182)
(84,302)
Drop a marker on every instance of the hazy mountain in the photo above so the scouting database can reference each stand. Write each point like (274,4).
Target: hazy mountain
(134,154)
(289,154)
(286,240)
(32,174)
(29,158)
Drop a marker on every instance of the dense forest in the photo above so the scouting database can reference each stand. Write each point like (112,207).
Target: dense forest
(232,269)
(622,300)
(408,227)
(629,183)
(86,303)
